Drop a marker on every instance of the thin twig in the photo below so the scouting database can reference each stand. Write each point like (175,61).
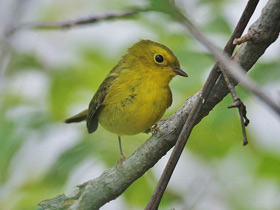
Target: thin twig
(192,118)
(242,113)
(232,68)
(237,104)
(66,24)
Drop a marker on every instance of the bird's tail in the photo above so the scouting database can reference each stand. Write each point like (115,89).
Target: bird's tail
(78,117)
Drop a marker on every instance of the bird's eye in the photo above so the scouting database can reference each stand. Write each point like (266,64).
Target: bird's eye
(159,58)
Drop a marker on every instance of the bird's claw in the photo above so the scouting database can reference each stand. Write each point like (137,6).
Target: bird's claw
(121,159)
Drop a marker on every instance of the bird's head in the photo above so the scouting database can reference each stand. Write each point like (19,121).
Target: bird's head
(156,58)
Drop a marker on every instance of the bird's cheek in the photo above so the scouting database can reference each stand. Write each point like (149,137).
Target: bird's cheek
(171,72)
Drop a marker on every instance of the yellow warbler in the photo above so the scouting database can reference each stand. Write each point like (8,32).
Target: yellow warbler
(135,93)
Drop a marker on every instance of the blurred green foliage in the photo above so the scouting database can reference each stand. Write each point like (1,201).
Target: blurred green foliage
(26,116)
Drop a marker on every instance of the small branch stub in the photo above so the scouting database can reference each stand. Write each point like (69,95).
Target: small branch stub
(242,39)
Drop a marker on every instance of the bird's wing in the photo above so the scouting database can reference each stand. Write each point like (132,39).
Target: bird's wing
(99,96)
(170,97)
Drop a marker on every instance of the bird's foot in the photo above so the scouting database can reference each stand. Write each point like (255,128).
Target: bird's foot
(154,129)
(121,159)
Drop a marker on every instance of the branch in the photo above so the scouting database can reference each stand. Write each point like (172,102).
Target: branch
(66,24)
(95,193)
(232,67)
(198,107)
(237,103)
(242,113)
(235,71)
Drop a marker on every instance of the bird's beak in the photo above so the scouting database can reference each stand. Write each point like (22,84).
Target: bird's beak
(180,72)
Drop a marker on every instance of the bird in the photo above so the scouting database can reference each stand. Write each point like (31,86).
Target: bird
(135,94)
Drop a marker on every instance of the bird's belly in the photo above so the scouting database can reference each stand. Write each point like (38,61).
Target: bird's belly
(132,116)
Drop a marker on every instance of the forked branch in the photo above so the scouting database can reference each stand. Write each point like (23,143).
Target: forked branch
(204,97)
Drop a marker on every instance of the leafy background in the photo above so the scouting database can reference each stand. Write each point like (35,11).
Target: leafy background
(52,75)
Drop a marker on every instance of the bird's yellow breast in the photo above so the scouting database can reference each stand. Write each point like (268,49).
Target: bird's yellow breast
(135,102)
